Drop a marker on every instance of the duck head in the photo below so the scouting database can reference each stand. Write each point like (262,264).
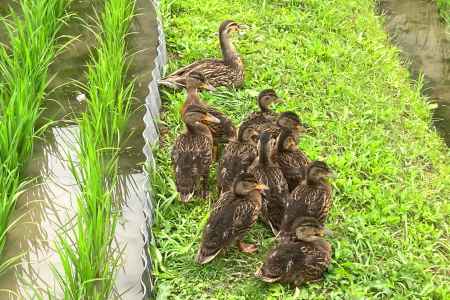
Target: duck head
(196,80)
(266,98)
(248,135)
(246,183)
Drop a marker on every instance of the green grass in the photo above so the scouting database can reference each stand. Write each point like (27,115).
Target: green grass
(444,9)
(89,266)
(332,62)
(23,74)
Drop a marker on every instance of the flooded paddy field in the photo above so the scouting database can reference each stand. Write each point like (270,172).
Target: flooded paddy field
(416,28)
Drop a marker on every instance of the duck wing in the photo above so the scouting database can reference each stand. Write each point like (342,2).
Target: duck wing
(177,79)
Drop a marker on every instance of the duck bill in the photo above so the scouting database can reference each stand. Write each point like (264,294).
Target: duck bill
(301,129)
(211,119)
(278,100)
(261,187)
(243,27)
(208,87)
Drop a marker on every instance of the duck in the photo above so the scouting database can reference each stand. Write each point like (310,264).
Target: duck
(312,198)
(265,117)
(290,158)
(301,259)
(287,120)
(222,132)
(269,173)
(232,216)
(238,156)
(228,71)
(192,153)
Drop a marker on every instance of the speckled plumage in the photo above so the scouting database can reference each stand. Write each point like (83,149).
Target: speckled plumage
(237,158)
(272,210)
(260,120)
(312,198)
(290,163)
(231,218)
(269,173)
(191,158)
(297,262)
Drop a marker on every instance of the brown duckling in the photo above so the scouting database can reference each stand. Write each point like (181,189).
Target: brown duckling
(192,153)
(265,117)
(311,198)
(222,131)
(300,260)
(287,120)
(195,82)
(290,159)
(228,71)
(269,173)
(237,157)
(232,217)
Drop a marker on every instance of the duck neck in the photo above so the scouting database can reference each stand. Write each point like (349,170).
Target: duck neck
(229,53)
(263,107)
(264,154)
(192,94)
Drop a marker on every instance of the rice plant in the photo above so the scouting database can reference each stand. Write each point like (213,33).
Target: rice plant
(23,71)
(90,261)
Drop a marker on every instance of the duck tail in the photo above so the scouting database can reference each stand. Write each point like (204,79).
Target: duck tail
(203,258)
(170,84)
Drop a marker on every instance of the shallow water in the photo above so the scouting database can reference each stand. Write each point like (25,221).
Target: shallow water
(416,28)
(49,202)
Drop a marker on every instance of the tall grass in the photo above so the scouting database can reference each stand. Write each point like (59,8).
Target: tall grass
(331,62)
(90,262)
(23,70)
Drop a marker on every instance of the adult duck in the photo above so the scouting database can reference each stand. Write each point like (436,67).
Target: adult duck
(228,71)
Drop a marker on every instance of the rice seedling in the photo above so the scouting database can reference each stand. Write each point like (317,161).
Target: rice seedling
(90,261)
(333,65)
(23,71)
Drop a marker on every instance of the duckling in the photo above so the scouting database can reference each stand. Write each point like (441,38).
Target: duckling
(288,120)
(265,117)
(290,159)
(237,157)
(231,218)
(269,173)
(300,260)
(192,153)
(311,198)
(229,71)
(222,131)
(195,81)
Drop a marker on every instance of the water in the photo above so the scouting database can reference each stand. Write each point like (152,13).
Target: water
(416,28)
(49,203)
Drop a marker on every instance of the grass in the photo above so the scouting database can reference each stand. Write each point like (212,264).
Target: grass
(444,9)
(23,73)
(332,62)
(89,266)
